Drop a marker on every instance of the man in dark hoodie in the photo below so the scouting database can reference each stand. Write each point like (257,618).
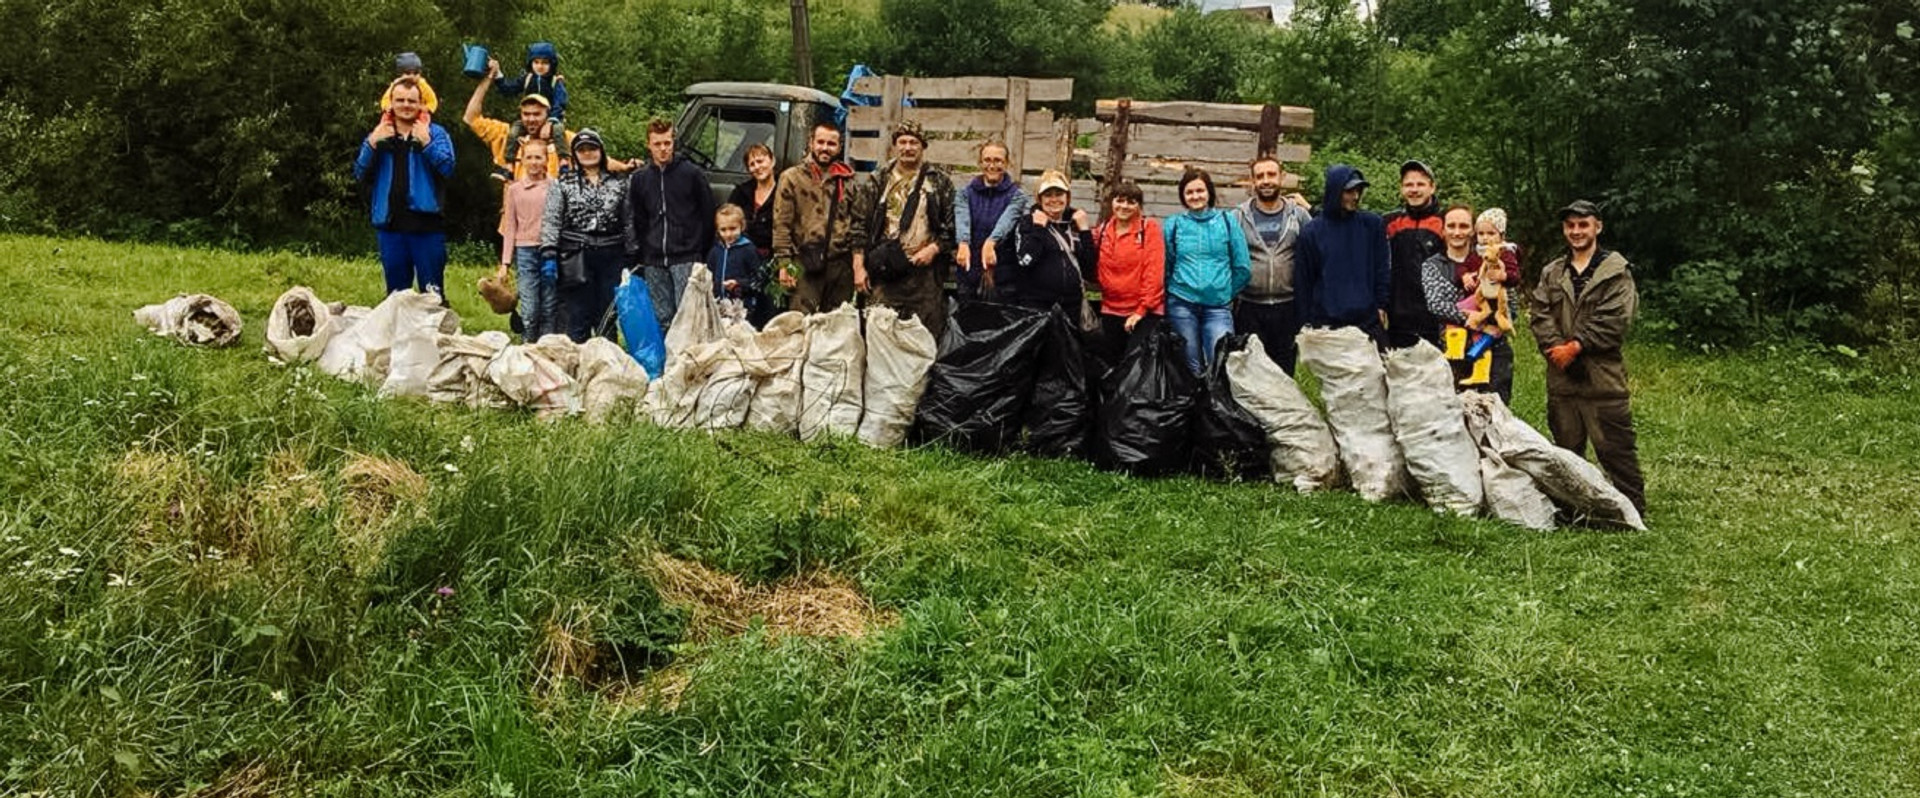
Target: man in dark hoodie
(672,217)
(1340,261)
(1414,233)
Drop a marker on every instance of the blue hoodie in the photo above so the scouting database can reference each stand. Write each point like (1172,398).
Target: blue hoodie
(549,85)
(1340,271)
(427,171)
(1206,257)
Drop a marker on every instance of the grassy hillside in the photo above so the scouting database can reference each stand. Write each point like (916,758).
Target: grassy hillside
(222,577)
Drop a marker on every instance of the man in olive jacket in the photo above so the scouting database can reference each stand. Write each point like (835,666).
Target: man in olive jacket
(904,214)
(813,241)
(1582,306)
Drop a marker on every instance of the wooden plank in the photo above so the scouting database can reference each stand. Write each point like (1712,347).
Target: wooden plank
(969,123)
(976,122)
(973,88)
(1293,118)
(1063,146)
(893,92)
(1014,133)
(1200,150)
(948,152)
(1222,168)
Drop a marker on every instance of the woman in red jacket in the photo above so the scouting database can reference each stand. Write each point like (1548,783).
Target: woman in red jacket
(1133,262)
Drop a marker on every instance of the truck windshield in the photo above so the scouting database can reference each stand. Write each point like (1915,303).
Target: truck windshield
(721,134)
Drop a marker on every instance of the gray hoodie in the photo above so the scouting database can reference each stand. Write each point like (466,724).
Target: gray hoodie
(1272,281)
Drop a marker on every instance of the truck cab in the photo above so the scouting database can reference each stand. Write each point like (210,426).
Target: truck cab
(722,119)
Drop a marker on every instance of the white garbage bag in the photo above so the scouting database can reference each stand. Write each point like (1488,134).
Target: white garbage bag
(697,320)
(831,381)
(461,375)
(1427,422)
(344,356)
(1576,485)
(1353,383)
(727,395)
(299,326)
(612,383)
(560,349)
(1304,454)
(192,319)
(1512,496)
(780,354)
(898,355)
(531,380)
(418,321)
(673,401)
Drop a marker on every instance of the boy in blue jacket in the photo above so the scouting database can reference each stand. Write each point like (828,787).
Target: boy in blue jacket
(1340,273)
(542,78)
(739,277)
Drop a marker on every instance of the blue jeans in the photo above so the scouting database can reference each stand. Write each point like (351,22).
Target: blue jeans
(539,297)
(412,260)
(667,284)
(1198,324)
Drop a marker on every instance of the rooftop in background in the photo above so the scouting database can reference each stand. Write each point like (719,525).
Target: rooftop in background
(771,91)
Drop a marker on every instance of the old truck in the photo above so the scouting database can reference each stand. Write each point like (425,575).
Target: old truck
(1150,142)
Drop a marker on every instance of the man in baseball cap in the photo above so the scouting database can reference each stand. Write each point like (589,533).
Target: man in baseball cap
(1340,261)
(1415,232)
(1582,307)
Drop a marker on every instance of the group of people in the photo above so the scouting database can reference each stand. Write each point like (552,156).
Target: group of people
(820,234)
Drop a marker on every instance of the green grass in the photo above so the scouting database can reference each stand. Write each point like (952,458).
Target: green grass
(221,618)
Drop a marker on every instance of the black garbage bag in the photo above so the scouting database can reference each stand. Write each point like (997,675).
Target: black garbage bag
(1059,419)
(1147,411)
(1228,442)
(978,387)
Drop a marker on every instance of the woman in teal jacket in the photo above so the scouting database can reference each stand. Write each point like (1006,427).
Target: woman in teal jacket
(1207,266)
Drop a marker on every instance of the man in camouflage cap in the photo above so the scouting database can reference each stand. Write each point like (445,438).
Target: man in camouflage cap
(903,231)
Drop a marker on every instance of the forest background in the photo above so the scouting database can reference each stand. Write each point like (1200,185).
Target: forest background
(1758,159)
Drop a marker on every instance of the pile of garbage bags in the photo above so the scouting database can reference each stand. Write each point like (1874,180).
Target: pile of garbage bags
(1001,379)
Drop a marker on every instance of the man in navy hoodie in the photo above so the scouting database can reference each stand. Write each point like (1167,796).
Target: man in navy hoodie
(672,218)
(1340,267)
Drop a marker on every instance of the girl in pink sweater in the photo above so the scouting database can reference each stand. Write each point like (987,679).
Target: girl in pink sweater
(520,212)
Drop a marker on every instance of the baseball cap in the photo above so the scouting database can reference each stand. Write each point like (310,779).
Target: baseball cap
(537,98)
(1580,208)
(588,137)
(1052,180)
(1416,166)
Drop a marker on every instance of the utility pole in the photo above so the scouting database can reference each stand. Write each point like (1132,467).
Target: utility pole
(802,45)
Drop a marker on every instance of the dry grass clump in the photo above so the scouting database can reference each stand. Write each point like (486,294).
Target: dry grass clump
(175,503)
(809,605)
(566,649)
(377,492)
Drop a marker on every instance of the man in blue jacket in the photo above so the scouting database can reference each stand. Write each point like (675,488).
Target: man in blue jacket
(672,219)
(1340,269)
(405,164)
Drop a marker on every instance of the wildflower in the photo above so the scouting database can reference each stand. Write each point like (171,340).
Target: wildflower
(466,443)
(451,468)
(117,580)
(443,591)
(278,696)
(69,551)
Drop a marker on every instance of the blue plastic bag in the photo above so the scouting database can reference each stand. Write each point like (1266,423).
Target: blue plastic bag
(639,327)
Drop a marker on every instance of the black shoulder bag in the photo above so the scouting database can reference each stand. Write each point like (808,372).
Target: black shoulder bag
(887,261)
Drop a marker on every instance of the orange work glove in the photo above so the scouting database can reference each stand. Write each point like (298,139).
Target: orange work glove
(1562,356)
